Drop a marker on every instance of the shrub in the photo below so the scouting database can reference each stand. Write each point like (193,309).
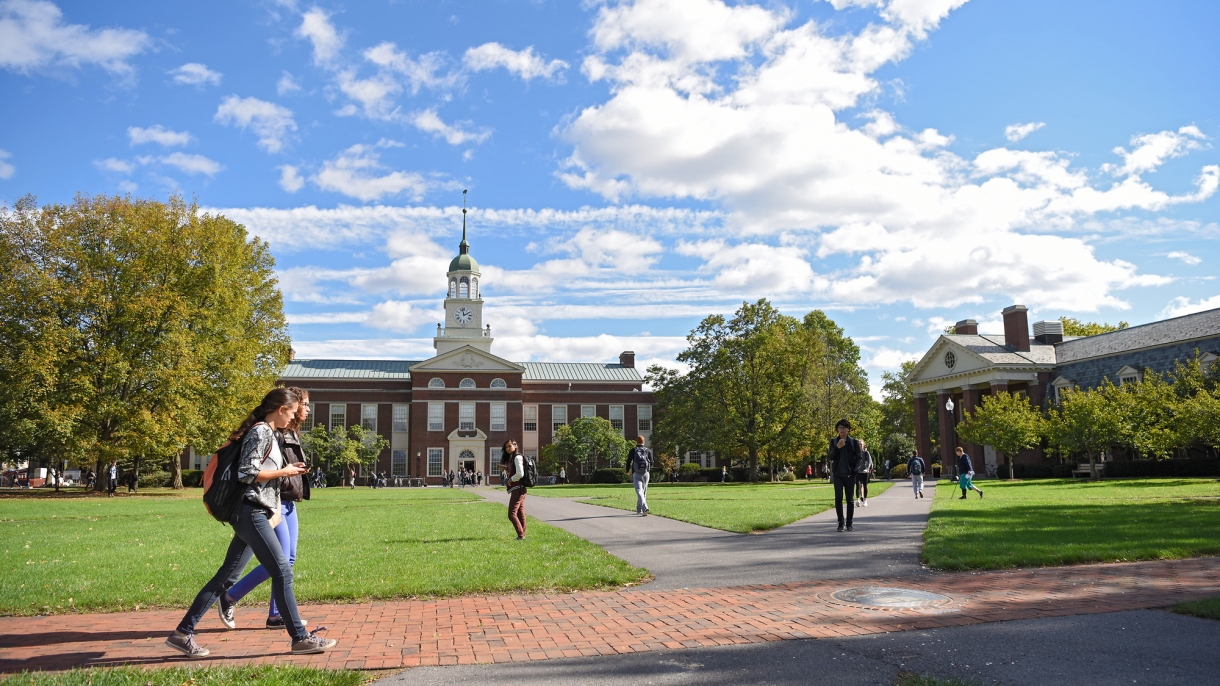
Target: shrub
(898,471)
(192,478)
(153,479)
(787,476)
(610,476)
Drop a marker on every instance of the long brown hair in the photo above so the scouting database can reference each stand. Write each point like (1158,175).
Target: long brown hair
(506,455)
(274,400)
(302,396)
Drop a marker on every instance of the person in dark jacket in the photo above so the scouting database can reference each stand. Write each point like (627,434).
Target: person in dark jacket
(965,480)
(293,489)
(843,456)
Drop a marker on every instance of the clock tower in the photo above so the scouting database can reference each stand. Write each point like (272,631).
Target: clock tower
(463,304)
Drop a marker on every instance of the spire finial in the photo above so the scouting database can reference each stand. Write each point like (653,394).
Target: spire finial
(463,247)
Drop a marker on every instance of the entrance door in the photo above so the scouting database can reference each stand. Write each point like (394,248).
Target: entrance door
(466,460)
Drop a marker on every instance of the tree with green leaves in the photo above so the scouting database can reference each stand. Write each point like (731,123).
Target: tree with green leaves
(1149,410)
(363,447)
(838,385)
(898,414)
(1006,422)
(159,326)
(1075,327)
(591,443)
(1085,422)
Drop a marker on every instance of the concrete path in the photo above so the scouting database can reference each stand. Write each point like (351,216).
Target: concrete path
(886,542)
(1137,647)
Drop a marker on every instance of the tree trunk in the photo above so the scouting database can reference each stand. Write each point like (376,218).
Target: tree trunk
(175,472)
(99,484)
(135,475)
(753,453)
(1092,465)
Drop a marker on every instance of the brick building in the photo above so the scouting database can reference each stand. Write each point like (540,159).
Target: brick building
(456,409)
(964,366)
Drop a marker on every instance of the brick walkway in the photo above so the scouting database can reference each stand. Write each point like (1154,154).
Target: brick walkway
(507,628)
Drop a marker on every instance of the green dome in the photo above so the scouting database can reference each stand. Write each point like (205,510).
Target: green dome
(463,263)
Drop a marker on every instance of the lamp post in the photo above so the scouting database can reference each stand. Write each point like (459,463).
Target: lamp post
(419,464)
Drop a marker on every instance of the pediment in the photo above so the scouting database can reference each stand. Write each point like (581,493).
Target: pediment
(935,363)
(1062,382)
(467,359)
(467,435)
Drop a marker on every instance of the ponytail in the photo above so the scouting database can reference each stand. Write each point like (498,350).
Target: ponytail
(277,398)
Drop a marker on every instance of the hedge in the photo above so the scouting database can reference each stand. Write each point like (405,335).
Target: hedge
(192,478)
(1163,468)
(610,476)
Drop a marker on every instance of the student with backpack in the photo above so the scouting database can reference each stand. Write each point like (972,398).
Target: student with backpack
(246,487)
(640,460)
(293,489)
(916,468)
(522,473)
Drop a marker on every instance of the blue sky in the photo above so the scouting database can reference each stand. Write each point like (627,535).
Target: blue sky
(634,166)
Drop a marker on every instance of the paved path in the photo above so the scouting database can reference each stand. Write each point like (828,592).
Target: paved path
(886,542)
(539,627)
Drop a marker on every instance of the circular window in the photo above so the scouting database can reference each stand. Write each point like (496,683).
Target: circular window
(436,382)
(498,383)
(466,383)
(950,359)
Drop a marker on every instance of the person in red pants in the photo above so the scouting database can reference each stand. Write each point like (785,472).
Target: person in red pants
(512,464)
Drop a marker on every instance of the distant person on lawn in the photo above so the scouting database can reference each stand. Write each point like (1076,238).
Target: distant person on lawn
(512,464)
(864,471)
(916,468)
(112,478)
(843,456)
(640,461)
(965,479)
(260,466)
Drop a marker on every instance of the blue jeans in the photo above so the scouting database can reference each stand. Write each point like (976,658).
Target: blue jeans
(252,537)
(286,532)
(640,481)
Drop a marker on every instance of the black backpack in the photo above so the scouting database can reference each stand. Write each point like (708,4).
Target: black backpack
(222,490)
(916,466)
(530,478)
(641,460)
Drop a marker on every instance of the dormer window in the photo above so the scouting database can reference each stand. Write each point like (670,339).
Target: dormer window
(1129,374)
(436,382)
(498,383)
(466,383)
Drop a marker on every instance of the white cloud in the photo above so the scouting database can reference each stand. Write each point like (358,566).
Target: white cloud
(290,179)
(429,122)
(33,37)
(1151,150)
(6,168)
(754,268)
(196,74)
(272,123)
(352,173)
(889,358)
(112,164)
(287,85)
(1182,306)
(318,29)
(191,164)
(524,63)
(157,134)
(1186,257)
(1015,132)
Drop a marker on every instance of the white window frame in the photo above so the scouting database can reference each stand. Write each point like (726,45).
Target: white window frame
(436,416)
(402,419)
(436,461)
(466,415)
(643,418)
(342,423)
(467,383)
(398,463)
(499,416)
(495,454)
(498,383)
(555,421)
(588,411)
(529,416)
(436,382)
(368,417)
(617,422)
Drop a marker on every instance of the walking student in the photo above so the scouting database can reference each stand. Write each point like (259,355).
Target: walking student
(916,468)
(965,479)
(640,459)
(293,489)
(864,471)
(512,462)
(844,456)
(260,466)
(112,478)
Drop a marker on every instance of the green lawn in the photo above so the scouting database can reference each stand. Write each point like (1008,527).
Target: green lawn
(1057,522)
(737,507)
(99,554)
(1208,608)
(194,676)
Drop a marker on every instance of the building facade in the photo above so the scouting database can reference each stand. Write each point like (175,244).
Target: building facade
(456,409)
(962,367)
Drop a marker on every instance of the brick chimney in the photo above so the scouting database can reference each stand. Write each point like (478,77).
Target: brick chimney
(966,327)
(1016,327)
(627,358)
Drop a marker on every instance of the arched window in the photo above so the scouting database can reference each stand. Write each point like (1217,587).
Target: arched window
(474,287)
(463,288)
(453,289)
(466,383)
(498,383)
(436,382)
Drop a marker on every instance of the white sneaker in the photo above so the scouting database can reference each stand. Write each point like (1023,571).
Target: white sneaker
(865,503)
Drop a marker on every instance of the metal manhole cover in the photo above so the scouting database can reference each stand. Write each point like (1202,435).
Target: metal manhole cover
(890,597)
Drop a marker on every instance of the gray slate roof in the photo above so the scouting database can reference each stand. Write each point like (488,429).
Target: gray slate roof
(348,369)
(1178,329)
(991,348)
(579,371)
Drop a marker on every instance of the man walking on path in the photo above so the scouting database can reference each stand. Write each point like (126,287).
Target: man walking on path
(965,479)
(843,456)
(640,459)
(864,470)
(915,468)
(112,478)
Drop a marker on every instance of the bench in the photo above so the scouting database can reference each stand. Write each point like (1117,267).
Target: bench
(1082,470)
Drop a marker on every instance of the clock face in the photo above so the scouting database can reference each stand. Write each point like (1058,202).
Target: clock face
(463,315)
